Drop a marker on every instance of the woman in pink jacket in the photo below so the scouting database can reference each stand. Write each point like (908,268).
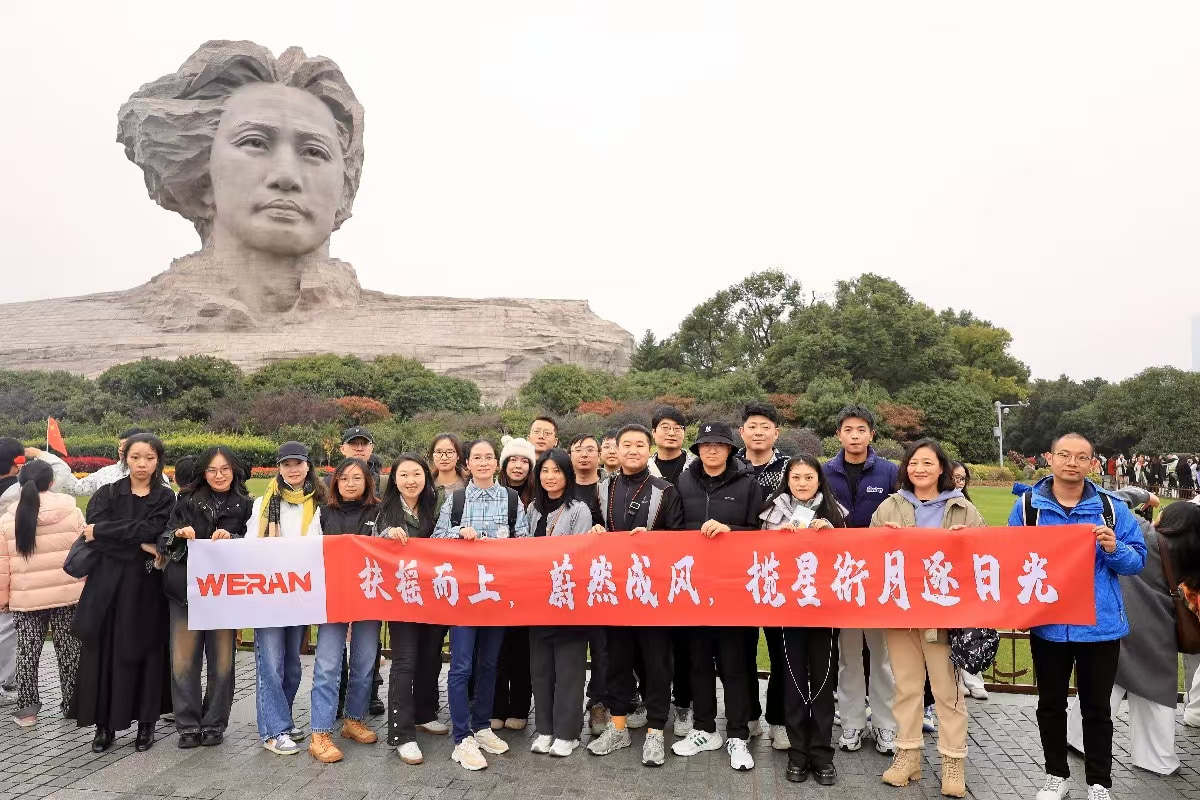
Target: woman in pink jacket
(35,536)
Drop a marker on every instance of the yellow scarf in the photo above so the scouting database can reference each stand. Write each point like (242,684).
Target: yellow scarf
(269,513)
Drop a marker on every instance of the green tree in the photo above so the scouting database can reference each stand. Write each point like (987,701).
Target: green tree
(1154,411)
(652,354)
(955,412)
(1029,430)
(324,375)
(560,388)
(407,387)
(32,395)
(708,339)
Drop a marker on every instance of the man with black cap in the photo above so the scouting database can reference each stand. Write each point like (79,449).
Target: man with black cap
(357,442)
(720,493)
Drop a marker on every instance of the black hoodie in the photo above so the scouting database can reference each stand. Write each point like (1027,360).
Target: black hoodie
(733,497)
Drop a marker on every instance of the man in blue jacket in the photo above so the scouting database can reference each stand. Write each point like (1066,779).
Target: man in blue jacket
(860,481)
(1067,497)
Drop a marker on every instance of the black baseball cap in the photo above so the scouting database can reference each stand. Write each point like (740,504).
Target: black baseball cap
(291,450)
(714,433)
(357,432)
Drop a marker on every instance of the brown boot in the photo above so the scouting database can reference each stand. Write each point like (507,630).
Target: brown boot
(954,777)
(323,749)
(906,766)
(354,729)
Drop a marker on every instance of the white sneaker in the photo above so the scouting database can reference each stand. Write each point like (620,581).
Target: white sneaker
(410,753)
(979,693)
(609,742)
(434,727)
(1097,792)
(683,721)
(637,719)
(298,734)
(489,741)
(7,695)
(851,739)
(885,741)
(654,749)
(739,756)
(779,737)
(1055,788)
(696,742)
(282,745)
(466,753)
(837,717)
(541,744)
(562,748)
(756,728)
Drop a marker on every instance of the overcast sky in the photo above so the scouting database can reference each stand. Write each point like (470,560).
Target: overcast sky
(1037,163)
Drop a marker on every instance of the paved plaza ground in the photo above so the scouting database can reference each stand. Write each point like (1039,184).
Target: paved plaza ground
(54,760)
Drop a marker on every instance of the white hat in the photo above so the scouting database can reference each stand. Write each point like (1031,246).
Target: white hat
(517,447)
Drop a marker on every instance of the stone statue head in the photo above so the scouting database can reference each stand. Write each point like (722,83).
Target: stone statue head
(266,151)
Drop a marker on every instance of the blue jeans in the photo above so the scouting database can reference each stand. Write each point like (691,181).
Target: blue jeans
(327,671)
(277,661)
(472,650)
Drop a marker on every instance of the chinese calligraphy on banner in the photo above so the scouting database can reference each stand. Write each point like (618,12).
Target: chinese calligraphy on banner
(879,578)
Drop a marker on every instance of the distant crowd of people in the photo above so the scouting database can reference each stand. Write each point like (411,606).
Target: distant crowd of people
(108,586)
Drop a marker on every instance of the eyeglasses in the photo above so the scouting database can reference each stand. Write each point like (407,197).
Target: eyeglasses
(668,428)
(585,451)
(350,479)
(541,432)
(1074,458)
(445,453)
(960,479)
(214,471)
(485,459)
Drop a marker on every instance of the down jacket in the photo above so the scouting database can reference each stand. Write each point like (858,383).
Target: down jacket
(40,582)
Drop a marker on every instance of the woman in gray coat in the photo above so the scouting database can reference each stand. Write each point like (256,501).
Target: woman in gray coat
(1147,670)
(557,654)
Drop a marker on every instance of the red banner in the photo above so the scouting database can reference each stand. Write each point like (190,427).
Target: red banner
(878,578)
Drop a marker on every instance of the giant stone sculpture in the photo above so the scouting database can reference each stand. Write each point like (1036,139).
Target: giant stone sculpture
(264,157)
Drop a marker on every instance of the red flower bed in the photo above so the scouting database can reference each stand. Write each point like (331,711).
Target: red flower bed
(87,464)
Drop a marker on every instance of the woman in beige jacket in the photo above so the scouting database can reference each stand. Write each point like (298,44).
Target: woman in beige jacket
(35,536)
(927,498)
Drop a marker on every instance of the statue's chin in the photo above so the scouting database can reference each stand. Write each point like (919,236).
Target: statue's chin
(283,240)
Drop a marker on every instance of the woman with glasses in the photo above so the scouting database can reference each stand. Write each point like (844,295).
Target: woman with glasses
(214,505)
(350,511)
(482,510)
(972,684)
(448,462)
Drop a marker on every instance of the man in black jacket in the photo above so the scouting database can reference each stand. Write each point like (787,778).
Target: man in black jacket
(720,493)
(636,501)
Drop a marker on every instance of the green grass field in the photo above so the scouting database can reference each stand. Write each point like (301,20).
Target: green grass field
(1013,663)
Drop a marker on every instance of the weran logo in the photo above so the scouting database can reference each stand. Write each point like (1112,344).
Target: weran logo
(242,583)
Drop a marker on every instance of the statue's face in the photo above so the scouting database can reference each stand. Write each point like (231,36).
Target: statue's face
(276,170)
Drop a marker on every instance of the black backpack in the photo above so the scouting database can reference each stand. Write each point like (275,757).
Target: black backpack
(458,501)
(1029,514)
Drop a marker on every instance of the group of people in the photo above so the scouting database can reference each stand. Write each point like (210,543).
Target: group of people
(125,652)
(1173,471)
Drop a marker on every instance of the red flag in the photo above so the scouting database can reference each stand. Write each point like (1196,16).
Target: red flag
(54,438)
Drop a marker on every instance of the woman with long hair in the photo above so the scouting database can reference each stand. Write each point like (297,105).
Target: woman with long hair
(349,511)
(214,505)
(122,618)
(292,500)
(409,511)
(449,462)
(36,535)
(557,654)
(972,683)
(927,498)
(805,672)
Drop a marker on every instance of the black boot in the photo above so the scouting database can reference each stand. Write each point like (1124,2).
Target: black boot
(145,737)
(102,740)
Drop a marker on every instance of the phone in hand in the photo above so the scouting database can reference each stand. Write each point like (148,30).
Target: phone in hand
(802,517)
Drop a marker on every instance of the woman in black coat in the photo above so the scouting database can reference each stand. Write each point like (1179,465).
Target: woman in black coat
(122,615)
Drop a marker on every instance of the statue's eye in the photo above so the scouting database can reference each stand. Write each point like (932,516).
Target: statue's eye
(312,151)
(253,142)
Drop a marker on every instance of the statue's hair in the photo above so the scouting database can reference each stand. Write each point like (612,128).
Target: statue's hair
(168,125)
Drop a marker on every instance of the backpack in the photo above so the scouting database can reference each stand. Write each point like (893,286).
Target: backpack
(458,502)
(1029,514)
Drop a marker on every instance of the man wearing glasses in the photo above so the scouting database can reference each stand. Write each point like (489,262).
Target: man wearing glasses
(543,435)
(1068,497)
(670,459)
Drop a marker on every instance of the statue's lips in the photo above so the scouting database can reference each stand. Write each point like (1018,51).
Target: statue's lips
(284,209)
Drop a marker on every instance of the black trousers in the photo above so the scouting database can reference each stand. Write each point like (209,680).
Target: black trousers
(1095,666)
(727,648)
(809,668)
(413,678)
(657,656)
(514,692)
(557,662)
(681,678)
(597,643)
(776,683)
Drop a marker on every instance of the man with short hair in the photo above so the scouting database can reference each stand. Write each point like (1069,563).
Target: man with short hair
(670,459)
(585,458)
(610,459)
(1067,497)
(637,502)
(860,480)
(543,435)
(357,442)
(760,432)
(720,493)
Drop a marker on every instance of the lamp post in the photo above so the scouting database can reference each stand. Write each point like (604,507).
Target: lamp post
(1001,413)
